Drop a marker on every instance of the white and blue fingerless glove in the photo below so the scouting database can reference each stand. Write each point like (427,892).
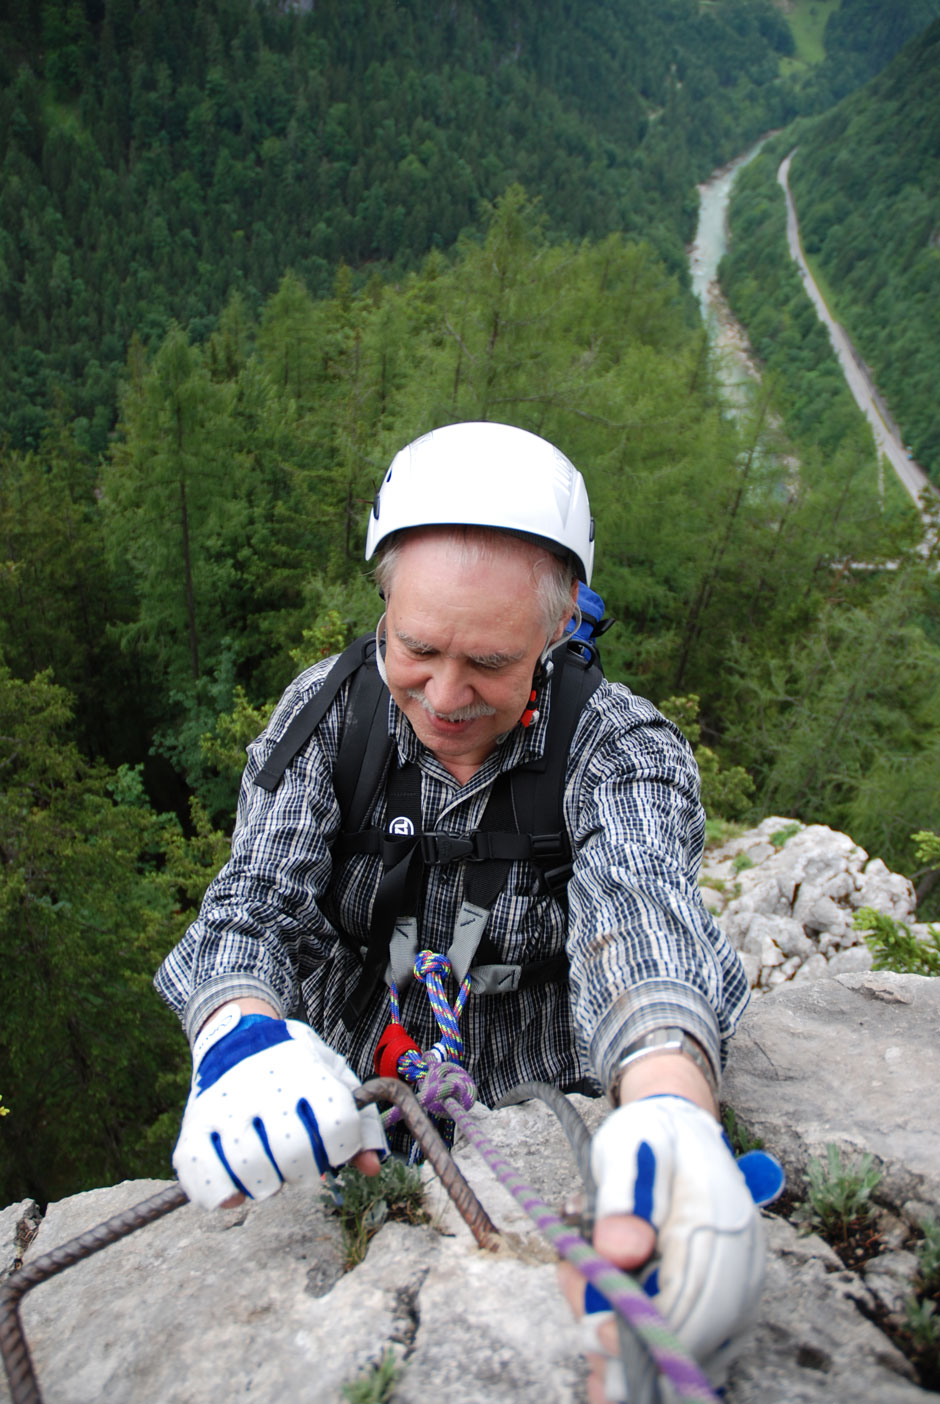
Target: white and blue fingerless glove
(667,1161)
(270,1102)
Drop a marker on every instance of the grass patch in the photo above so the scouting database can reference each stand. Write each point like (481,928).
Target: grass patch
(807,21)
(839,1204)
(364,1202)
(377,1384)
(719,831)
(784,835)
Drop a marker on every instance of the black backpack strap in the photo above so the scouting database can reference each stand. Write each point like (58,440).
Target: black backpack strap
(398,890)
(538,789)
(306,721)
(365,749)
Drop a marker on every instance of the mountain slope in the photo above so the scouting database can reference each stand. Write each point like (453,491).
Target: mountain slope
(866,180)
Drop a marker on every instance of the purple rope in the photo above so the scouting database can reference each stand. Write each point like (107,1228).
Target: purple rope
(628,1299)
(441,1083)
(445,1089)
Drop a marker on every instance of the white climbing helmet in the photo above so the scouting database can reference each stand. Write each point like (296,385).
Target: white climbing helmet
(490,475)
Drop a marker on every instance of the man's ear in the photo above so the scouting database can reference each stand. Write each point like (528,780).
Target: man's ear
(562,623)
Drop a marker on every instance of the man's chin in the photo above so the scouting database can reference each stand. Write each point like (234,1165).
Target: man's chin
(465,740)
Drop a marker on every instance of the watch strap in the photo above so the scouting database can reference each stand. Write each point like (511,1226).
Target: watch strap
(665,1040)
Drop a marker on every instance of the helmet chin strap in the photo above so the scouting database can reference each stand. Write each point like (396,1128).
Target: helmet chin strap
(379,655)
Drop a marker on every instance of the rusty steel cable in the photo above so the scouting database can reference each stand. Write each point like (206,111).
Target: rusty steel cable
(24,1387)
(389,1089)
(21,1375)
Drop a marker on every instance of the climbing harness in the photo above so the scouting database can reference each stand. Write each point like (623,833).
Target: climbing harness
(649,1349)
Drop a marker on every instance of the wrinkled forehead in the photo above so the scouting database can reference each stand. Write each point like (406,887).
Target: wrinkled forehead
(486,592)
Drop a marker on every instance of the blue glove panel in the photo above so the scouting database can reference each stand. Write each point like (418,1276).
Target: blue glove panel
(645,1180)
(253,1034)
(309,1123)
(763,1174)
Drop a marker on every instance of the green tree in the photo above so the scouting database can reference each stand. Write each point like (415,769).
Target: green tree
(89,1059)
(57,597)
(843,728)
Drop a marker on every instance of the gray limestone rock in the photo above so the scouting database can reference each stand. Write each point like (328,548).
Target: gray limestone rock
(786,895)
(854,1060)
(18,1226)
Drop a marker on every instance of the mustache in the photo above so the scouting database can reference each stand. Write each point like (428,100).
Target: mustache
(476,709)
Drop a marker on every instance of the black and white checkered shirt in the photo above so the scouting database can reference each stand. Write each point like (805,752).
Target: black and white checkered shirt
(643,951)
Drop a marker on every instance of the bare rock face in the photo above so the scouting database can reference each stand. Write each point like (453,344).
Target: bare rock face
(255,1303)
(853,1060)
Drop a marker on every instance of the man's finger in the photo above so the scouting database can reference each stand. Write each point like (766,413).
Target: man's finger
(625,1240)
(367,1162)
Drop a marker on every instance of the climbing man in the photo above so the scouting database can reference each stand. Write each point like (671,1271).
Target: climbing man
(469,784)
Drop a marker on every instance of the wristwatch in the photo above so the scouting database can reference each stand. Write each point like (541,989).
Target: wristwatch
(665,1040)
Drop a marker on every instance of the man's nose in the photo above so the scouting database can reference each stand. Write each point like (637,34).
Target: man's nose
(448,688)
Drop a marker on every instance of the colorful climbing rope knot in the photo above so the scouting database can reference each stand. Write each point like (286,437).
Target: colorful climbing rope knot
(435,1073)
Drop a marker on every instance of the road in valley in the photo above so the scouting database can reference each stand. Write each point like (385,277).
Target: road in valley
(887,436)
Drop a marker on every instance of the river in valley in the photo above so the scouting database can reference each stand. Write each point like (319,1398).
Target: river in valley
(737,370)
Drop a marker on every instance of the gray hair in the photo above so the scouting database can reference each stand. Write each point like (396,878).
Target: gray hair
(553,577)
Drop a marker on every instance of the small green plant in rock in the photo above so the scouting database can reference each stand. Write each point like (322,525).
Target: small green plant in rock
(840,1196)
(741,1139)
(894,945)
(923,1325)
(377,1384)
(783,835)
(742,862)
(920,1334)
(928,1257)
(364,1202)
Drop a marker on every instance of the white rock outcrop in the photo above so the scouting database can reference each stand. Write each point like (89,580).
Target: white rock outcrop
(786,895)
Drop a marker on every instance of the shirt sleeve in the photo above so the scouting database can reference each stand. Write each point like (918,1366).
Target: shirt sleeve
(260,927)
(644,951)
